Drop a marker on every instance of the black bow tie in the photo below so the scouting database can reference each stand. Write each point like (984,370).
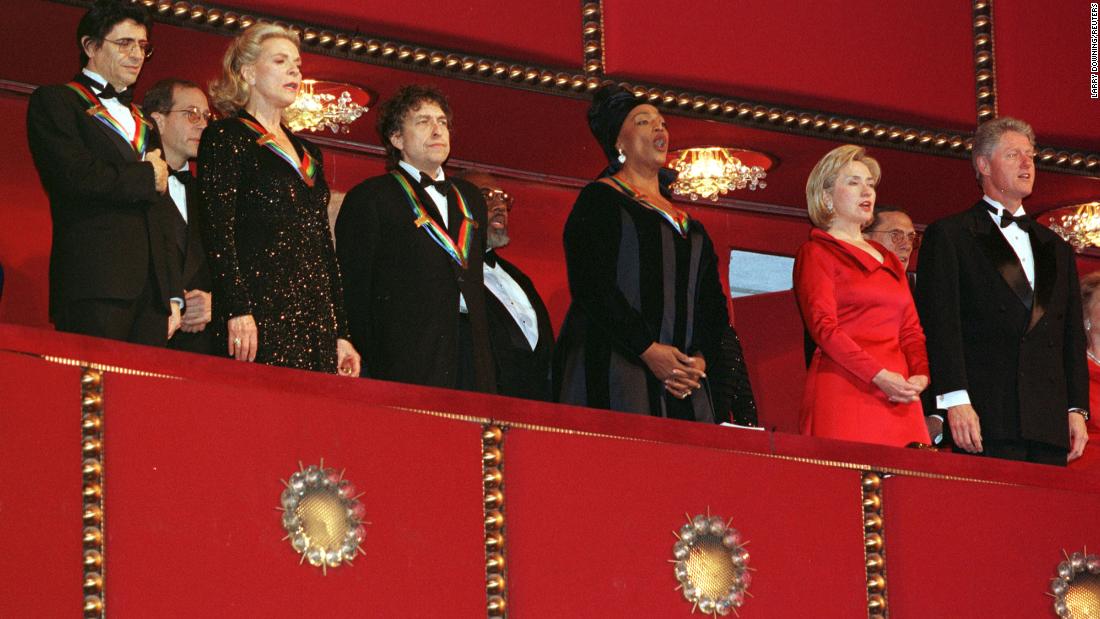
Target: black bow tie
(491,259)
(443,186)
(183,175)
(1007,219)
(125,97)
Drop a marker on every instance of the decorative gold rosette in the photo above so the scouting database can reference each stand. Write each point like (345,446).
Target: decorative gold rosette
(322,516)
(711,564)
(1076,588)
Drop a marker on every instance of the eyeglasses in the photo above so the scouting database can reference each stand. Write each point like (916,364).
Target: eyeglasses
(898,236)
(127,46)
(193,115)
(497,195)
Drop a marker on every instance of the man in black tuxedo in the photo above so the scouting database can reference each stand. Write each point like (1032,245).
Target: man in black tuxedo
(519,325)
(411,245)
(998,298)
(180,111)
(99,161)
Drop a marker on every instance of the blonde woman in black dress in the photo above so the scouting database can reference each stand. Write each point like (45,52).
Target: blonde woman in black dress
(276,281)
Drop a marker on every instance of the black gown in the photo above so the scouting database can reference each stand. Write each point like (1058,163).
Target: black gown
(634,281)
(266,233)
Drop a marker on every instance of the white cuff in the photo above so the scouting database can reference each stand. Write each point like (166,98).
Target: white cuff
(954,398)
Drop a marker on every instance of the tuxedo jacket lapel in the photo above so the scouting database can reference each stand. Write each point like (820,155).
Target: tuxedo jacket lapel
(1046,265)
(995,247)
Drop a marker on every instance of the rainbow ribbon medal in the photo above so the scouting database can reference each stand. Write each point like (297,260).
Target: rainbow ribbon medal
(97,111)
(308,169)
(674,216)
(459,253)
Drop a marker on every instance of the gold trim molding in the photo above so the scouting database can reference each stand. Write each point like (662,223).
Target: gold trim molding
(592,29)
(91,423)
(578,84)
(874,544)
(985,68)
(492,471)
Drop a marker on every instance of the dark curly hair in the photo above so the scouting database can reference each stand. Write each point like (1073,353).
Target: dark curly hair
(104,15)
(393,111)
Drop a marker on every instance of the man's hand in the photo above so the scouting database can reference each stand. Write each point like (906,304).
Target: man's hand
(1078,436)
(173,319)
(935,427)
(197,312)
(966,431)
(160,170)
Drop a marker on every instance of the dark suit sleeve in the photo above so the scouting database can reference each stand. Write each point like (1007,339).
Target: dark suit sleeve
(1074,356)
(67,166)
(219,187)
(357,234)
(938,305)
(591,242)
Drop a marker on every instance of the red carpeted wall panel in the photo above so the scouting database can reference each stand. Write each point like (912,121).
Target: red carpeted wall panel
(40,500)
(969,549)
(25,231)
(193,479)
(864,57)
(590,521)
(771,335)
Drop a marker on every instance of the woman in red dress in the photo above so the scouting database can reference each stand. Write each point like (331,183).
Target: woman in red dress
(866,376)
(1090,303)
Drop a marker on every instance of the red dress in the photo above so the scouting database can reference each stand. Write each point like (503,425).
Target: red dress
(861,315)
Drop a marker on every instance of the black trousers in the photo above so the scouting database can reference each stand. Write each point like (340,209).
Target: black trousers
(1024,451)
(140,321)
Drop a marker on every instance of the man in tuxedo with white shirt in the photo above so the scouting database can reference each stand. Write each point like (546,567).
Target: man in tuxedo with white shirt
(999,302)
(180,111)
(519,324)
(99,161)
(411,244)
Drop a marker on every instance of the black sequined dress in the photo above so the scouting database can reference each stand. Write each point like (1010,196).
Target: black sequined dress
(267,236)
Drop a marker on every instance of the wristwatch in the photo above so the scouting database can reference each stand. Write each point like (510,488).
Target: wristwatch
(1082,412)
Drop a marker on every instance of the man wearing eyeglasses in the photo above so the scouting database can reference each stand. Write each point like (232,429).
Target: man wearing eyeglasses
(519,324)
(180,111)
(893,228)
(100,163)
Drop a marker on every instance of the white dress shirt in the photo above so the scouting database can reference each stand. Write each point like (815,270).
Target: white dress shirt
(1020,242)
(515,300)
(119,112)
(440,202)
(179,195)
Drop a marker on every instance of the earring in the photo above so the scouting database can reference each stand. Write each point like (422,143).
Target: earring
(828,205)
(622,156)
(1088,325)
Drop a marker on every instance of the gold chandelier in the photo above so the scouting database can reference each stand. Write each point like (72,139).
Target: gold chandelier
(326,105)
(1079,225)
(710,171)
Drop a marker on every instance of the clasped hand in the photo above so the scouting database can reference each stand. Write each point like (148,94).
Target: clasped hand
(679,372)
(898,388)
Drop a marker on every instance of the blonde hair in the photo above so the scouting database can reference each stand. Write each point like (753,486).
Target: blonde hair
(823,177)
(230,92)
(1090,286)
